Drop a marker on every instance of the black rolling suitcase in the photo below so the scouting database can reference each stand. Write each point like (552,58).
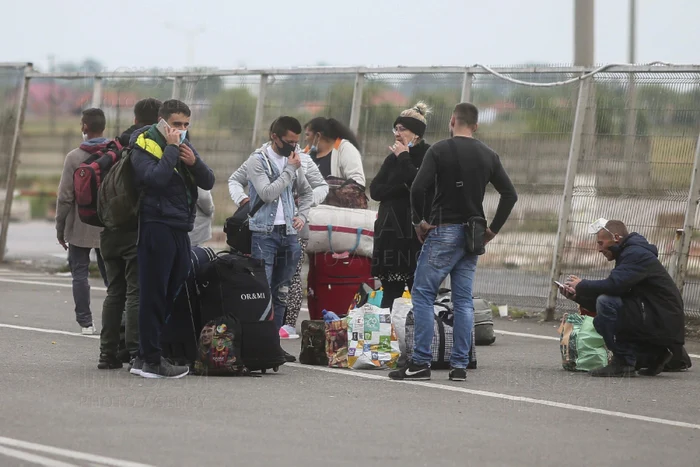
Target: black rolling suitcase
(235,286)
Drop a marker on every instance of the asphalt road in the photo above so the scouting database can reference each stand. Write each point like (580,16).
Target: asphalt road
(518,408)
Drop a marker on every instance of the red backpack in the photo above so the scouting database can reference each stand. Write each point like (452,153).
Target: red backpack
(88,177)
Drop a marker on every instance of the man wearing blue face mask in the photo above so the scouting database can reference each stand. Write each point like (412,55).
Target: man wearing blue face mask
(273,177)
(167,170)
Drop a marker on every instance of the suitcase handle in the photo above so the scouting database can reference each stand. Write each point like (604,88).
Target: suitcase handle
(357,242)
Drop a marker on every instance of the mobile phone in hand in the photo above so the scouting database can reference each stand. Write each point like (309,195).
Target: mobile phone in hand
(561,286)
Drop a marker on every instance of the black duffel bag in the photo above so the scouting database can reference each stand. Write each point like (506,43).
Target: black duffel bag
(238,234)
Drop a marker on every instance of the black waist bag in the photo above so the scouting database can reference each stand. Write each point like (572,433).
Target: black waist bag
(238,234)
(475,226)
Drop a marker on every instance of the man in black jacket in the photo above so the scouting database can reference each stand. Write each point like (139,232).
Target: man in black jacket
(460,168)
(118,249)
(168,170)
(639,309)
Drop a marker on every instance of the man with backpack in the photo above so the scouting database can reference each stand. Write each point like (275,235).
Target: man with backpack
(167,170)
(118,248)
(74,235)
(273,177)
(454,236)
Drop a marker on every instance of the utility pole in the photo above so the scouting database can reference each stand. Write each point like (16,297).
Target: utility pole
(631,104)
(584,32)
(192,34)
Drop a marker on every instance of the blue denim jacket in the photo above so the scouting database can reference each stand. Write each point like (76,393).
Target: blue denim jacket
(266,182)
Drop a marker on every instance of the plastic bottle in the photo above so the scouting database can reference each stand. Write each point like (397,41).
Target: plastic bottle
(329,316)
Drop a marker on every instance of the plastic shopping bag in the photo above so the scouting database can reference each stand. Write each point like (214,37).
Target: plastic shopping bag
(373,342)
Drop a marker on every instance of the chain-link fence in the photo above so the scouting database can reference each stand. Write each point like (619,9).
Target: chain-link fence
(633,147)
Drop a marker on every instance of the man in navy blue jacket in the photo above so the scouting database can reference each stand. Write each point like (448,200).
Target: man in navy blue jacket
(639,309)
(168,170)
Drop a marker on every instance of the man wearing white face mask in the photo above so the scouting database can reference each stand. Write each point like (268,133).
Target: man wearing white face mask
(168,171)
(74,235)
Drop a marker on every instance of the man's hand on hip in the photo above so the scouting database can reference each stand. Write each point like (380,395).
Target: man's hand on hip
(423,229)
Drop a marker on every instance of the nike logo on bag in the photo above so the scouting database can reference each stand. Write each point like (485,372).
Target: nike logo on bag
(411,373)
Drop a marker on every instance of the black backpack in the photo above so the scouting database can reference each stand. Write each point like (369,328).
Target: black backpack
(235,287)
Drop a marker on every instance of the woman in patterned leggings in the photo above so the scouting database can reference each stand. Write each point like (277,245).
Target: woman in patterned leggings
(396,246)
(294,298)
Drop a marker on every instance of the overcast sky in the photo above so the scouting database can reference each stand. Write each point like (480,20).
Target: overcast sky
(267,33)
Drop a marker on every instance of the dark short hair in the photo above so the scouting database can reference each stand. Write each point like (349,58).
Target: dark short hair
(146,111)
(466,114)
(617,227)
(173,106)
(284,124)
(95,120)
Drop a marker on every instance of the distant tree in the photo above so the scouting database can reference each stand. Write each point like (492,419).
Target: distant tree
(233,109)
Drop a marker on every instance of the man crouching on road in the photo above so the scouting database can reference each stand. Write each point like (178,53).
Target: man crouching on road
(639,309)
(168,170)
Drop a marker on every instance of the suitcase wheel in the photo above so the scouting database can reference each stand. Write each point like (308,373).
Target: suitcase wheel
(263,371)
(276,369)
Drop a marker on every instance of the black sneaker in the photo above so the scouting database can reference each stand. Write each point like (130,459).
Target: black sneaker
(109,362)
(136,366)
(163,370)
(289,357)
(412,372)
(458,374)
(614,370)
(124,356)
(658,363)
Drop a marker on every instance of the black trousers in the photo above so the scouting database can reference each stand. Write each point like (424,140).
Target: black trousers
(164,263)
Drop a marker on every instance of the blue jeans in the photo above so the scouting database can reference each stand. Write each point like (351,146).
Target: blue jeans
(607,309)
(281,253)
(442,254)
(79,263)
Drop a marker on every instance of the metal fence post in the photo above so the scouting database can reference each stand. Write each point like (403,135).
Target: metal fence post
(14,161)
(689,223)
(97,93)
(467,87)
(565,210)
(177,85)
(675,254)
(356,109)
(259,111)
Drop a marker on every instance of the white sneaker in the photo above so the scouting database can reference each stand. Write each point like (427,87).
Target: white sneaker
(288,332)
(88,331)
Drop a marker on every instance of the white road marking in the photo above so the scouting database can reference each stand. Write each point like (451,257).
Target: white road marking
(49,284)
(33,458)
(475,392)
(49,331)
(497,395)
(77,455)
